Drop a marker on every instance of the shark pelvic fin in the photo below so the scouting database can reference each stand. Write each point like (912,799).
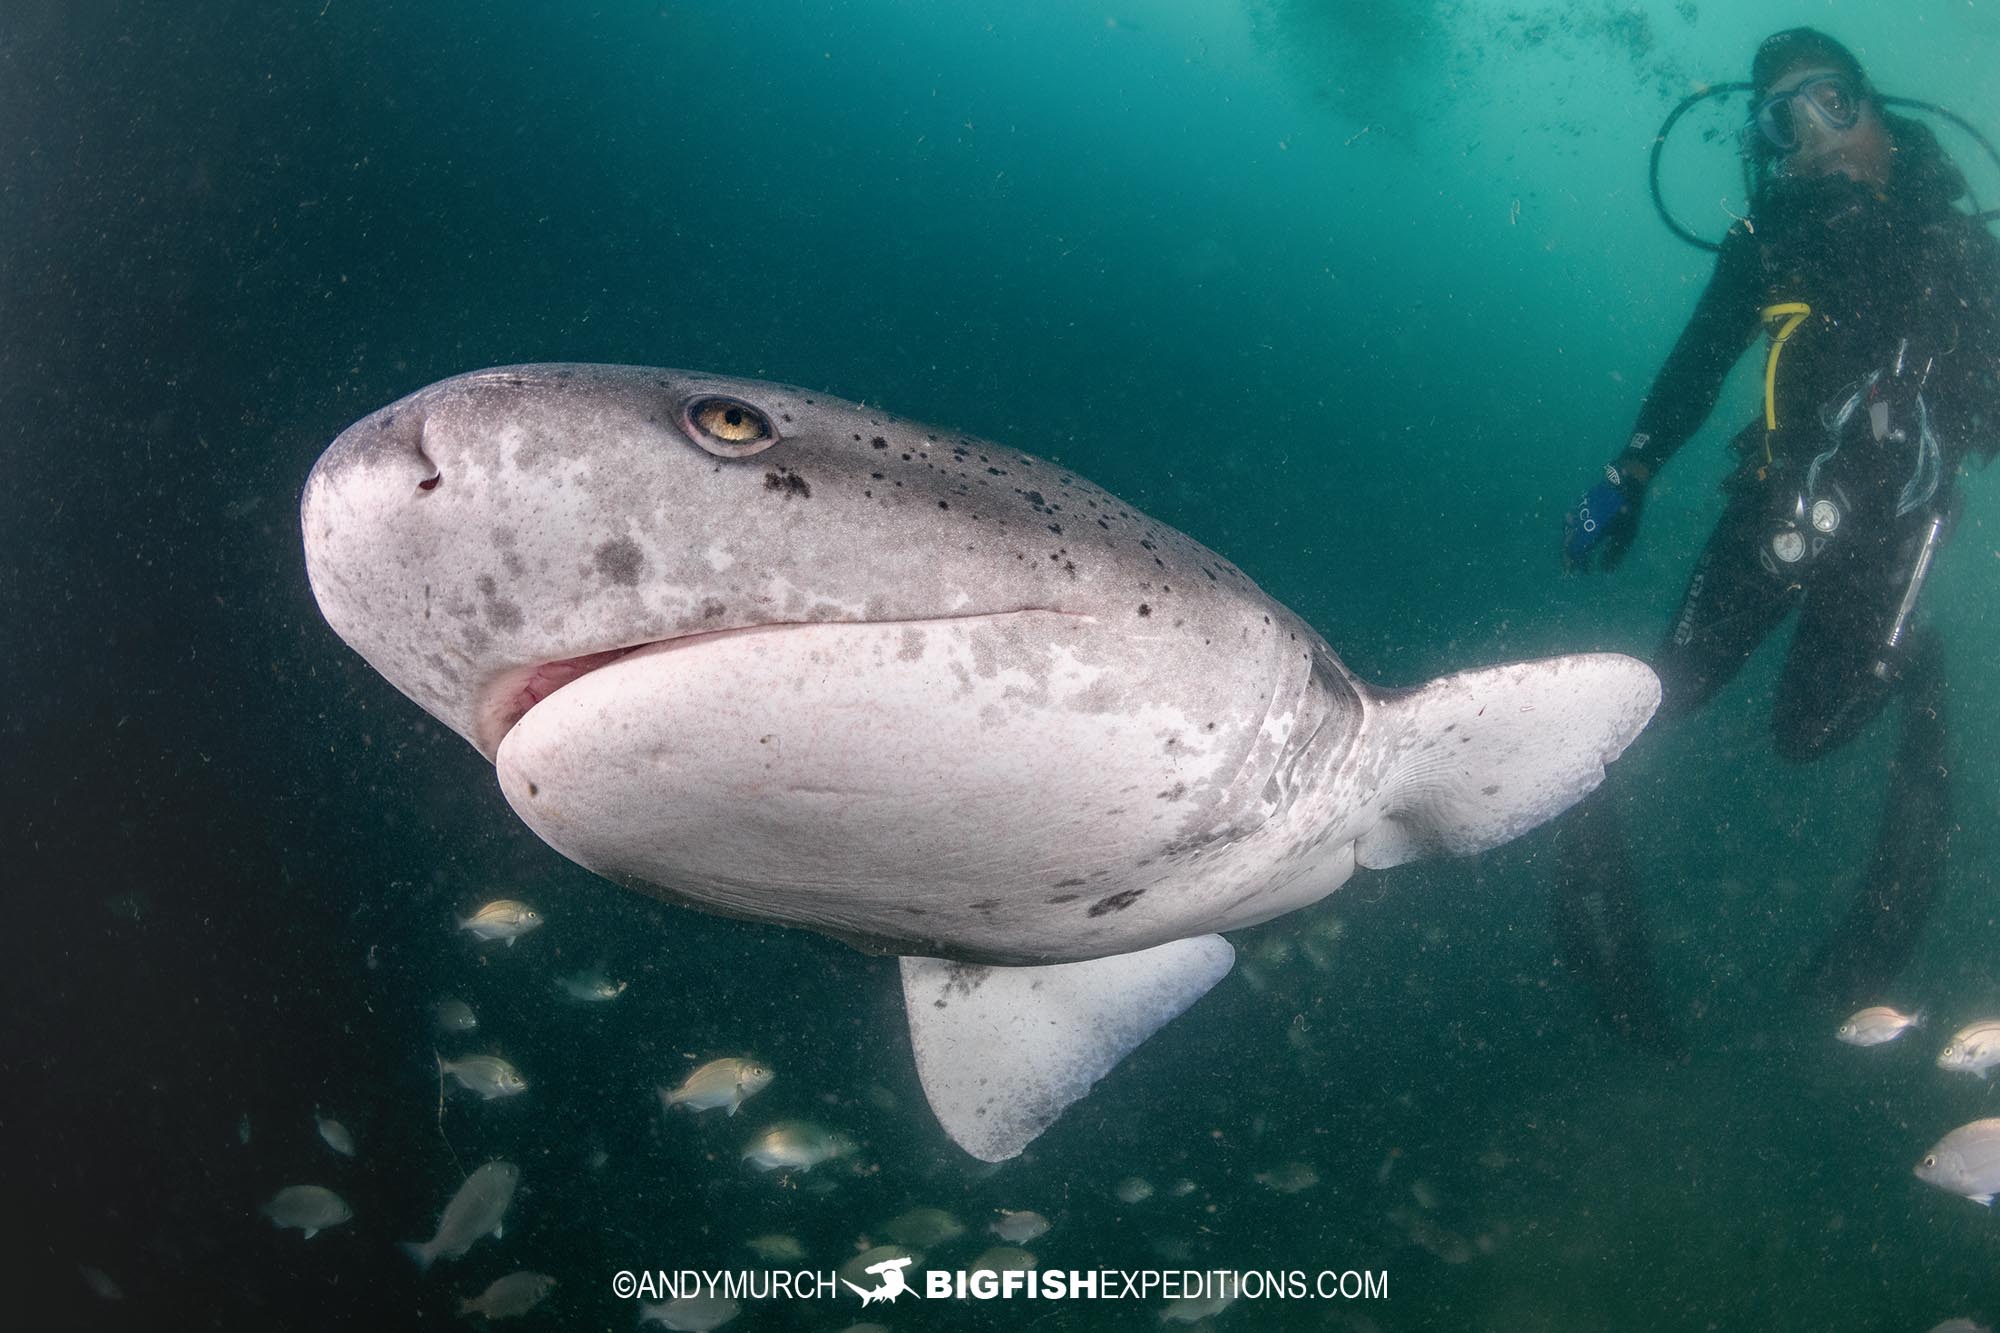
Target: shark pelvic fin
(1002,1051)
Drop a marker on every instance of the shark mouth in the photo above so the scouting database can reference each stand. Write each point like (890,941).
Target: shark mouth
(506,700)
(509,698)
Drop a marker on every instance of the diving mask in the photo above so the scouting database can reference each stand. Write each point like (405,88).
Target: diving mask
(1831,99)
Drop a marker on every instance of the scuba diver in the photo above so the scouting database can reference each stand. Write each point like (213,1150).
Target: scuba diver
(1877,296)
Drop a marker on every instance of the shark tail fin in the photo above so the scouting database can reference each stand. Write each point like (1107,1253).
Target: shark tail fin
(1481,757)
(1001,1051)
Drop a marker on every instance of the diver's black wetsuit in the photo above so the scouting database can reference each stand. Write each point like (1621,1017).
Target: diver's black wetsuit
(1881,274)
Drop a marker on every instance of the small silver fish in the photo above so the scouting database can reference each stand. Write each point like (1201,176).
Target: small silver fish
(1876,1025)
(776,1248)
(1005,1259)
(1290,1178)
(923,1228)
(310,1208)
(591,987)
(487,1075)
(691,1314)
(867,1268)
(506,1297)
(100,1283)
(477,1209)
(796,1145)
(1973,1049)
(334,1134)
(1966,1161)
(454,1015)
(1019,1226)
(502,919)
(726,1082)
(1133,1189)
(1194,1309)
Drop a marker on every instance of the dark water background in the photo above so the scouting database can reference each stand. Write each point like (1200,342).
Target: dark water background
(1358,295)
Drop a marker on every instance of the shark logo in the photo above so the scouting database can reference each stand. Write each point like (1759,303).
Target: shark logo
(893,1285)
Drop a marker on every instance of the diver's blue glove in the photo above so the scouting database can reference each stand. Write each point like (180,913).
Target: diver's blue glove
(1604,522)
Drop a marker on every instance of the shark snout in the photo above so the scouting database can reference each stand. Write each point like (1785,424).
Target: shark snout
(389,446)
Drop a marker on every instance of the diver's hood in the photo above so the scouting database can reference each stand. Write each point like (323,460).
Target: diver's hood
(1924,173)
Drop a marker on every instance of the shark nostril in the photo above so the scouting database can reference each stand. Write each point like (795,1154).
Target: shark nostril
(436,475)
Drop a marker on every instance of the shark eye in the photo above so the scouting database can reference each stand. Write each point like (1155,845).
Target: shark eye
(727,427)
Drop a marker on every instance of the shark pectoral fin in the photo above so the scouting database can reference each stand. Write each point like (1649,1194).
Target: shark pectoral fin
(1483,756)
(1002,1051)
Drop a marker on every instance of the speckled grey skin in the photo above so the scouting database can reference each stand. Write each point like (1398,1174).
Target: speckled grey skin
(930,695)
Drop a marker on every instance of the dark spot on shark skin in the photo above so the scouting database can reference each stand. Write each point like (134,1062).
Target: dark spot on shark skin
(1175,792)
(487,587)
(1489,791)
(619,560)
(1057,900)
(1117,902)
(711,608)
(1071,883)
(503,613)
(961,981)
(912,645)
(534,790)
(986,905)
(787,483)
(1145,610)
(445,668)
(513,564)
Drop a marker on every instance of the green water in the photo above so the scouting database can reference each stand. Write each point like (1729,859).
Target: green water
(1357,295)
